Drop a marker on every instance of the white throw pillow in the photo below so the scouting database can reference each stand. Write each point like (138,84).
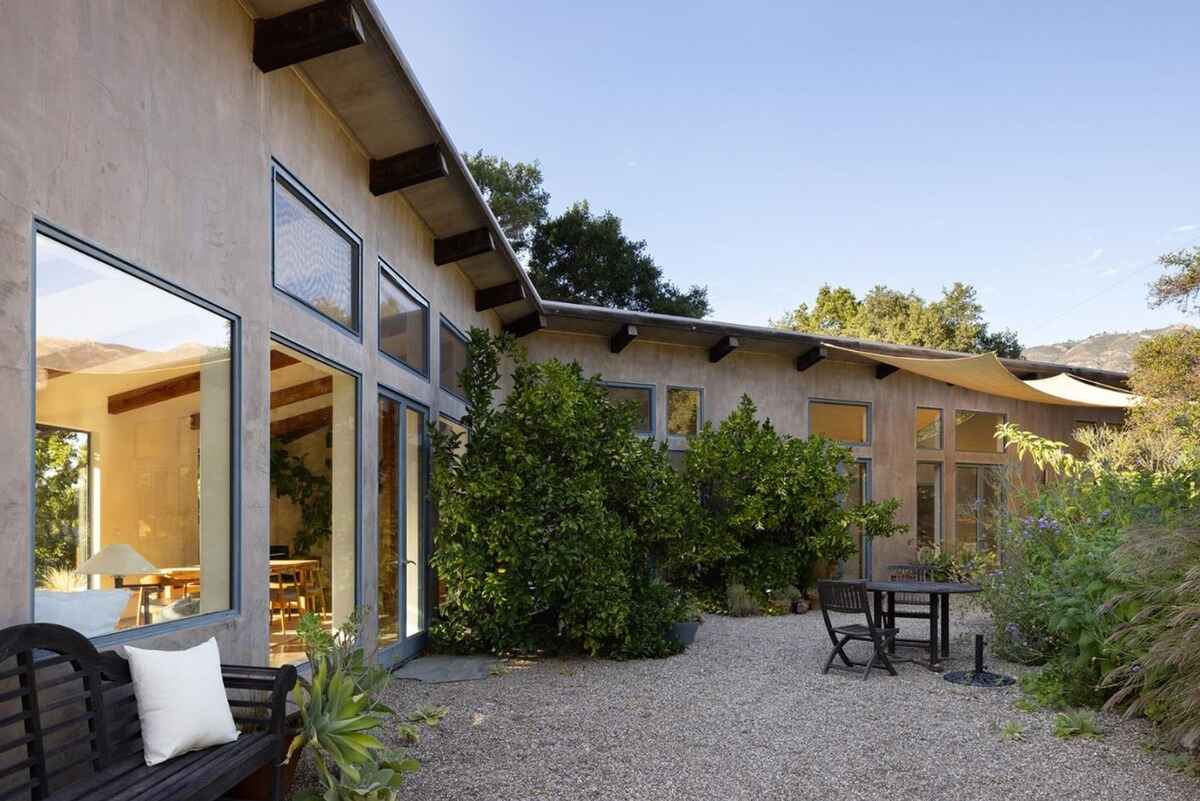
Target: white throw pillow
(90,612)
(181,700)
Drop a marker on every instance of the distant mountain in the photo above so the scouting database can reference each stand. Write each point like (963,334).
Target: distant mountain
(1105,351)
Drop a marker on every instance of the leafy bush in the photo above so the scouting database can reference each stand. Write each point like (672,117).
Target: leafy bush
(1056,601)
(739,602)
(555,517)
(773,505)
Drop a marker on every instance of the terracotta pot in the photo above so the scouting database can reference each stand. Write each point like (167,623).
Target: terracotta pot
(257,786)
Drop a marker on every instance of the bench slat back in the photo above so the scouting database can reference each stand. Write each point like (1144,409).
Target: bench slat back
(65,710)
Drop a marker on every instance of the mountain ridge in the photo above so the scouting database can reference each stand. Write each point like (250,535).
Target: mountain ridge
(1107,350)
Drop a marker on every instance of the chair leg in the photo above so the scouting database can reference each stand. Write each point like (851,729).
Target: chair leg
(837,651)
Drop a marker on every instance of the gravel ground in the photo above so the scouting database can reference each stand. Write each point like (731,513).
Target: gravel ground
(746,714)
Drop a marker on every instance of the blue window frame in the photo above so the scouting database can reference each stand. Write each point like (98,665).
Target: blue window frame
(642,396)
(452,358)
(316,259)
(403,322)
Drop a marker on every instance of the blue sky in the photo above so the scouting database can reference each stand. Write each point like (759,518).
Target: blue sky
(1046,153)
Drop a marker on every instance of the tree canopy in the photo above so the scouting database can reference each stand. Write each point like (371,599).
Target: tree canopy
(514,192)
(1181,284)
(578,256)
(581,257)
(954,322)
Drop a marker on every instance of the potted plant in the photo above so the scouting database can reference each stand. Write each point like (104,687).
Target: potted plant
(684,630)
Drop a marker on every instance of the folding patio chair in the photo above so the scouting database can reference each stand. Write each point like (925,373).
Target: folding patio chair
(850,597)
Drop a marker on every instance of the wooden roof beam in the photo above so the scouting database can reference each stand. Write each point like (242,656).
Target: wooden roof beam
(811,358)
(724,347)
(177,387)
(454,248)
(495,296)
(526,325)
(407,169)
(882,371)
(306,33)
(620,340)
(302,424)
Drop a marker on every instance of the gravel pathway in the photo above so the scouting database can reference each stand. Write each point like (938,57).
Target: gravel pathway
(746,714)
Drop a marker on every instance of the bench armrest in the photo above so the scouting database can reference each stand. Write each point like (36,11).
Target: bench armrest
(266,700)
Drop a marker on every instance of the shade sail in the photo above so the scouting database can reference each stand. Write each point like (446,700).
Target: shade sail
(985,373)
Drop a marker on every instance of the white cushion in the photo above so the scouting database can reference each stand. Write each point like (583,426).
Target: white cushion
(181,700)
(90,612)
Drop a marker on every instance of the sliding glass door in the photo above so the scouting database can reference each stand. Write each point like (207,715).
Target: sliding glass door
(402,597)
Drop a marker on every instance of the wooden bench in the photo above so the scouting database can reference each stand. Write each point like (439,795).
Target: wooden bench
(69,727)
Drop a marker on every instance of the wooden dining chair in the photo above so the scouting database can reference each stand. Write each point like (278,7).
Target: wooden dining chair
(908,605)
(850,597)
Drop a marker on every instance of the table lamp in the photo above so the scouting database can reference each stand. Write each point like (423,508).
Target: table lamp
(117,560)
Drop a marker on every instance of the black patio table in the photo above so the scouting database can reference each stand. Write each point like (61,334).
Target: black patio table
(939,593)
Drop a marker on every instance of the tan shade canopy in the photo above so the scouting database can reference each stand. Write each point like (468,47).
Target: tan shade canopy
(985,373)
(117,559)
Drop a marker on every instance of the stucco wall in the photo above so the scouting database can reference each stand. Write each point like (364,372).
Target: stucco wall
(782,394)
(144,128)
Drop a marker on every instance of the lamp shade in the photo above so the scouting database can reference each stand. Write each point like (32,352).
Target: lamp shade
(117,559)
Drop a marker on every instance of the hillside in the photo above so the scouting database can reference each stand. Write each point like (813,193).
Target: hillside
(1104,351)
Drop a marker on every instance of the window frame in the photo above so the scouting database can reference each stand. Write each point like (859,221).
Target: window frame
(653,390)
(939,518)
(999,447)
(387,272)
(1002,511)
(444,322)
(95,251)
(275,337)
(868,405)
(280,174)
(941,410)
(406,645)
(682,438)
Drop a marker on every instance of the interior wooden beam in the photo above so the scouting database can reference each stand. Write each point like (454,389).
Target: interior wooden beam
(174,388)
(305,33)
(454,248)
(526,325)
(302,424)
(157,392)
(407,169)
(620,340)
(724,347)
(882,371)
(309,389)
(495,296)
(288,395)
(811,357)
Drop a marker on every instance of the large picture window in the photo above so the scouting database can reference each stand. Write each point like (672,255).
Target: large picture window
(314,497)
(133,447)
(315,257)
(403,322)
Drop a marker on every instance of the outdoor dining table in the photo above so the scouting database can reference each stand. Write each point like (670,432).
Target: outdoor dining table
(939,593)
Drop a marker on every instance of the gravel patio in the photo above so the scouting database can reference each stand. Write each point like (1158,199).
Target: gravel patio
(746,714)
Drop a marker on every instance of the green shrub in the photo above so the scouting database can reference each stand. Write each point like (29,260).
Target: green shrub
(1053,600)
(740,602)
(1077,723)
(773,505)
(554,517)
